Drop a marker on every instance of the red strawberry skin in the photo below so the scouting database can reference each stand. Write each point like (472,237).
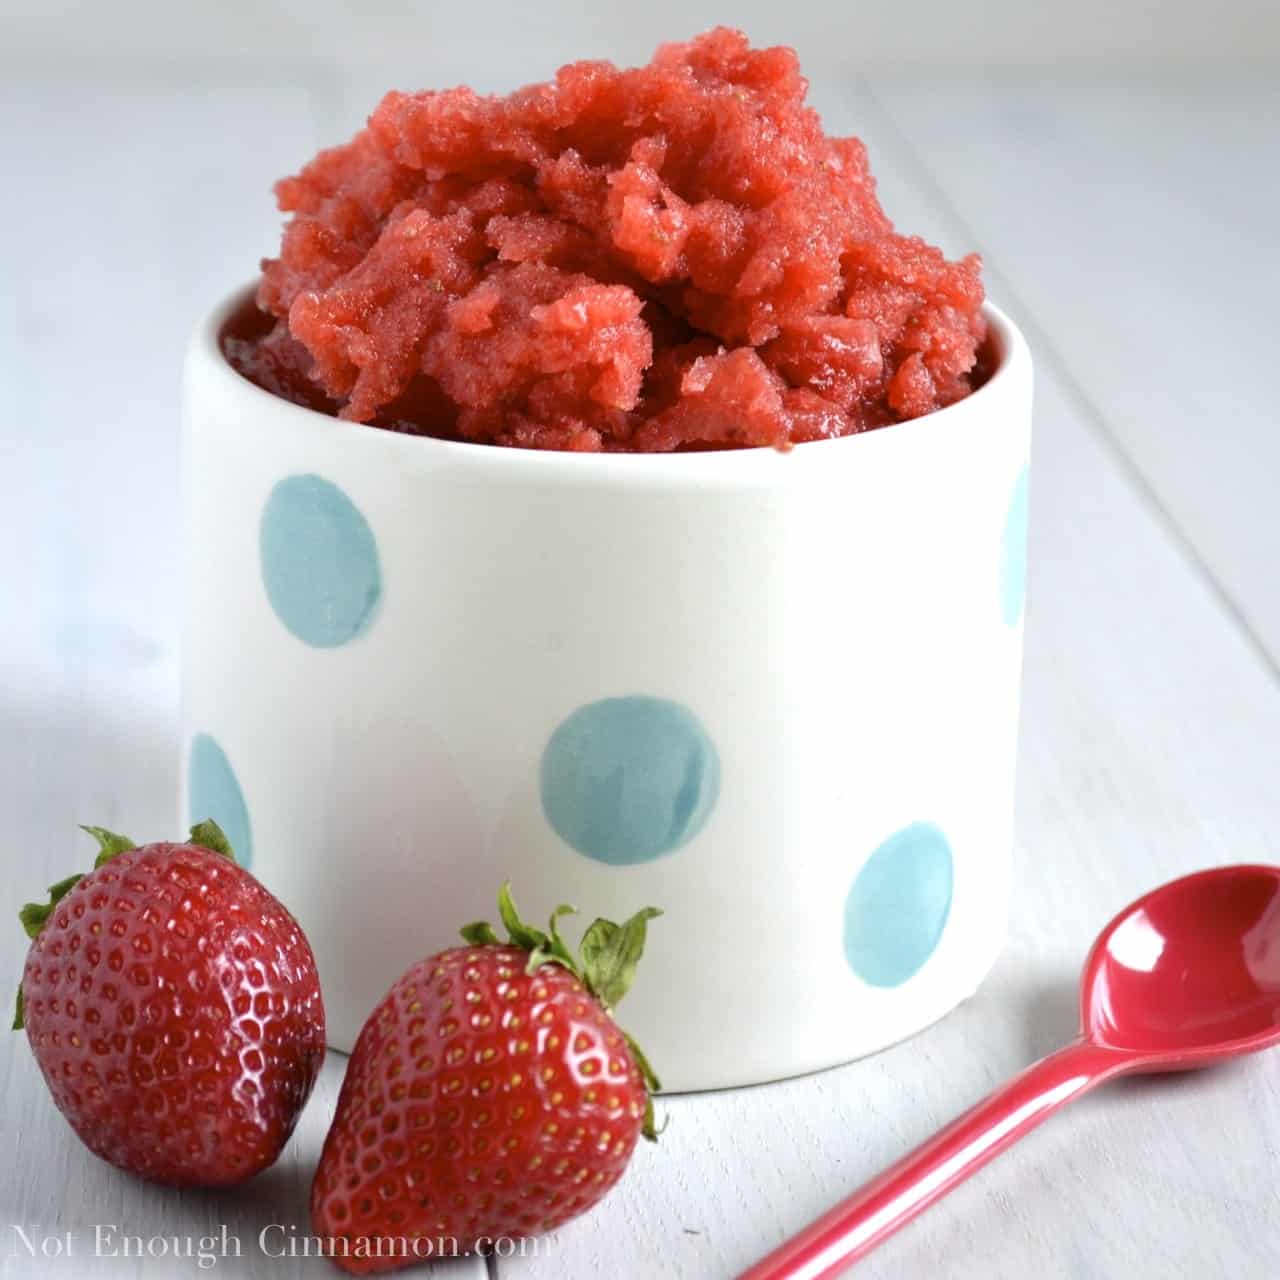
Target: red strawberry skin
(174,1008)
(480,1101)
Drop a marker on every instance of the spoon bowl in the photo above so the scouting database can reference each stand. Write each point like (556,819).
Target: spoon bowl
(1190,973)
(1186,976)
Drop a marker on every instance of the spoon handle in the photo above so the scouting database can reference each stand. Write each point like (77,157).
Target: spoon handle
(856,1225)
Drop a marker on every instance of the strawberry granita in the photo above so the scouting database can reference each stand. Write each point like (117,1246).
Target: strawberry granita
(670,257)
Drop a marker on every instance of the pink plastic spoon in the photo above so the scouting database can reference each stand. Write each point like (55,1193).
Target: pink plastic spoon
(1187,976)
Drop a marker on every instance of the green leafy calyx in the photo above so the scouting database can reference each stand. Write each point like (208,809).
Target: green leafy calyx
(605,963)
(109,844)
(208,835)
(34,915)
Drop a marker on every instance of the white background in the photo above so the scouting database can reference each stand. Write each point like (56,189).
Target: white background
(1119,167)
(979,32)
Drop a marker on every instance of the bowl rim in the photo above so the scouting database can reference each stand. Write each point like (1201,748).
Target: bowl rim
(205,351)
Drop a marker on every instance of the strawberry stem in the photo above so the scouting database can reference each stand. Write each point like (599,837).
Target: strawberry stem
(610,953)
(480,934)
(208,835)
(109,844)
(34,915)
(605,964)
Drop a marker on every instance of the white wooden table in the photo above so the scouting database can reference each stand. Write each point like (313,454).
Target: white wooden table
(1131,226)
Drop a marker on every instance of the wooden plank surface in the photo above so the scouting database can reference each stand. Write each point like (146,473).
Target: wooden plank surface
(1136,221)
(1152,720)
(144,198)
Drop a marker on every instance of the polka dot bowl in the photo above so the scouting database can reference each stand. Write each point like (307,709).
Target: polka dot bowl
(774,694)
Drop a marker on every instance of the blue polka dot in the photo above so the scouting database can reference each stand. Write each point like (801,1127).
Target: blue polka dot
(213,792)
(319,561)
(627,780)
(898,906)
(1013,552)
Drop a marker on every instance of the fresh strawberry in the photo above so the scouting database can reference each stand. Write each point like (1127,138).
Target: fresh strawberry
(174,1008)
(490,1094)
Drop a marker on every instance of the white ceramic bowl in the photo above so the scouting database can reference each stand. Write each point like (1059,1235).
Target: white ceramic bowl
(774,694)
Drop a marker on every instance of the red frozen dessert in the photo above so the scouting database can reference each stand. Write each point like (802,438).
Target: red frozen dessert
(671,257)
